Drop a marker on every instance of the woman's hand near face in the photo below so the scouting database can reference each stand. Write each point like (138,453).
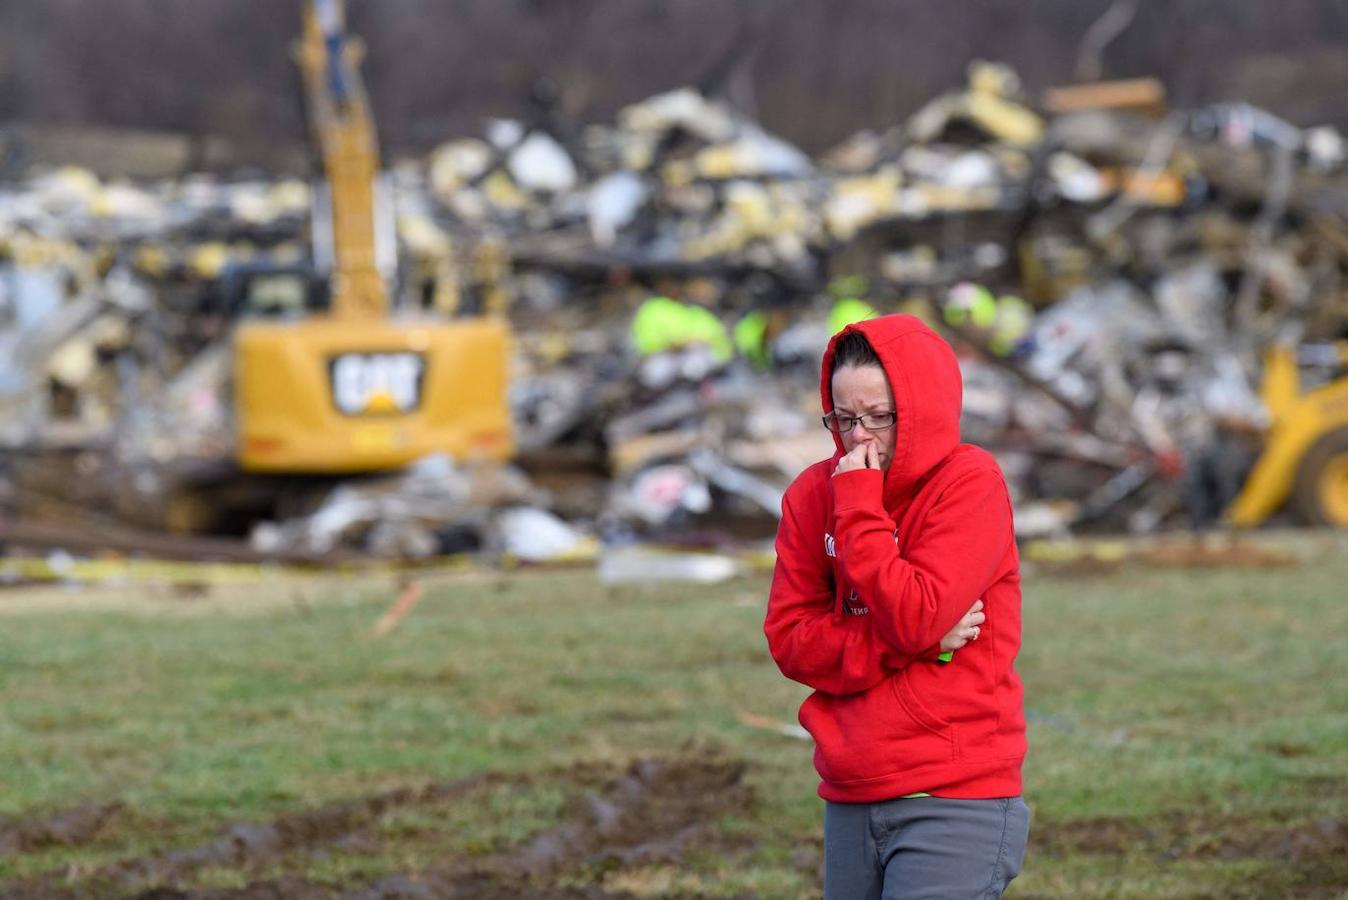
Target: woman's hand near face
(863,456)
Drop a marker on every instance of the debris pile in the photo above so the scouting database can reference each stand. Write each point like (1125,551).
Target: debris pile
(1110,273)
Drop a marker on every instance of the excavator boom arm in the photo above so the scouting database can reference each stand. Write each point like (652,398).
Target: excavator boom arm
(343,128)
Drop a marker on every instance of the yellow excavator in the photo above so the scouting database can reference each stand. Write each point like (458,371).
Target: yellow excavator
(1305,455)
(345,383)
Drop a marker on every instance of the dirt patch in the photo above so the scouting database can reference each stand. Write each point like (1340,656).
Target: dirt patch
(472,886)
(248,843)
(239,845)
(1109,836)
(70,828)
(1177,836)
(1307,859)
(654,812)
(650,814)
(1325,838)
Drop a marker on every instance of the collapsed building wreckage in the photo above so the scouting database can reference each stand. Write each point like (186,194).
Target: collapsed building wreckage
(1111,273)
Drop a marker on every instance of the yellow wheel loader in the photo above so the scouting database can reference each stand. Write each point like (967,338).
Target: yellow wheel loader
(1305,456)
(353,386)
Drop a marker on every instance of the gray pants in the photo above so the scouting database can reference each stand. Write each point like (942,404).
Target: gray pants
(923,847)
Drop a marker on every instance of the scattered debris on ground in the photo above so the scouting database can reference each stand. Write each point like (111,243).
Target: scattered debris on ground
(1111,272)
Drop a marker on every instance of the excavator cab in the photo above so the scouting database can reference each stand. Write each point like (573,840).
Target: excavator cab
(268,290)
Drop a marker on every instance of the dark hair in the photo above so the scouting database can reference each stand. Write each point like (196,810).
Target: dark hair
(853,349)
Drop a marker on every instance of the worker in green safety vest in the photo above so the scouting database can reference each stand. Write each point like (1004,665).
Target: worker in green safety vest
(662,324)
(848,310)
(678,341)
(1003,323)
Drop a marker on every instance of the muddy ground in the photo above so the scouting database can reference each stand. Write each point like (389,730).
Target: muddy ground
(1313,855)
(656,811)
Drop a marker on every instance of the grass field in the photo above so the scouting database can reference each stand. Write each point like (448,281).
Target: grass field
(538,734)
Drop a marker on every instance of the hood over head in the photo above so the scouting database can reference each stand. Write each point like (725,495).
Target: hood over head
(928,395)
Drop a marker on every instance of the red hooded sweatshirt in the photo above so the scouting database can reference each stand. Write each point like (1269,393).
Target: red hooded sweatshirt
(873,568)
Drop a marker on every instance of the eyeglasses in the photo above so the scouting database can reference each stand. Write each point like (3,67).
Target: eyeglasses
(870,421)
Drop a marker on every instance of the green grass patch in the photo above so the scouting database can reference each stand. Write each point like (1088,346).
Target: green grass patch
(1189,731)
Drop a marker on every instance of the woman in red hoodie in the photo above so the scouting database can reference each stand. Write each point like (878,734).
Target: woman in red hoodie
(882,550)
